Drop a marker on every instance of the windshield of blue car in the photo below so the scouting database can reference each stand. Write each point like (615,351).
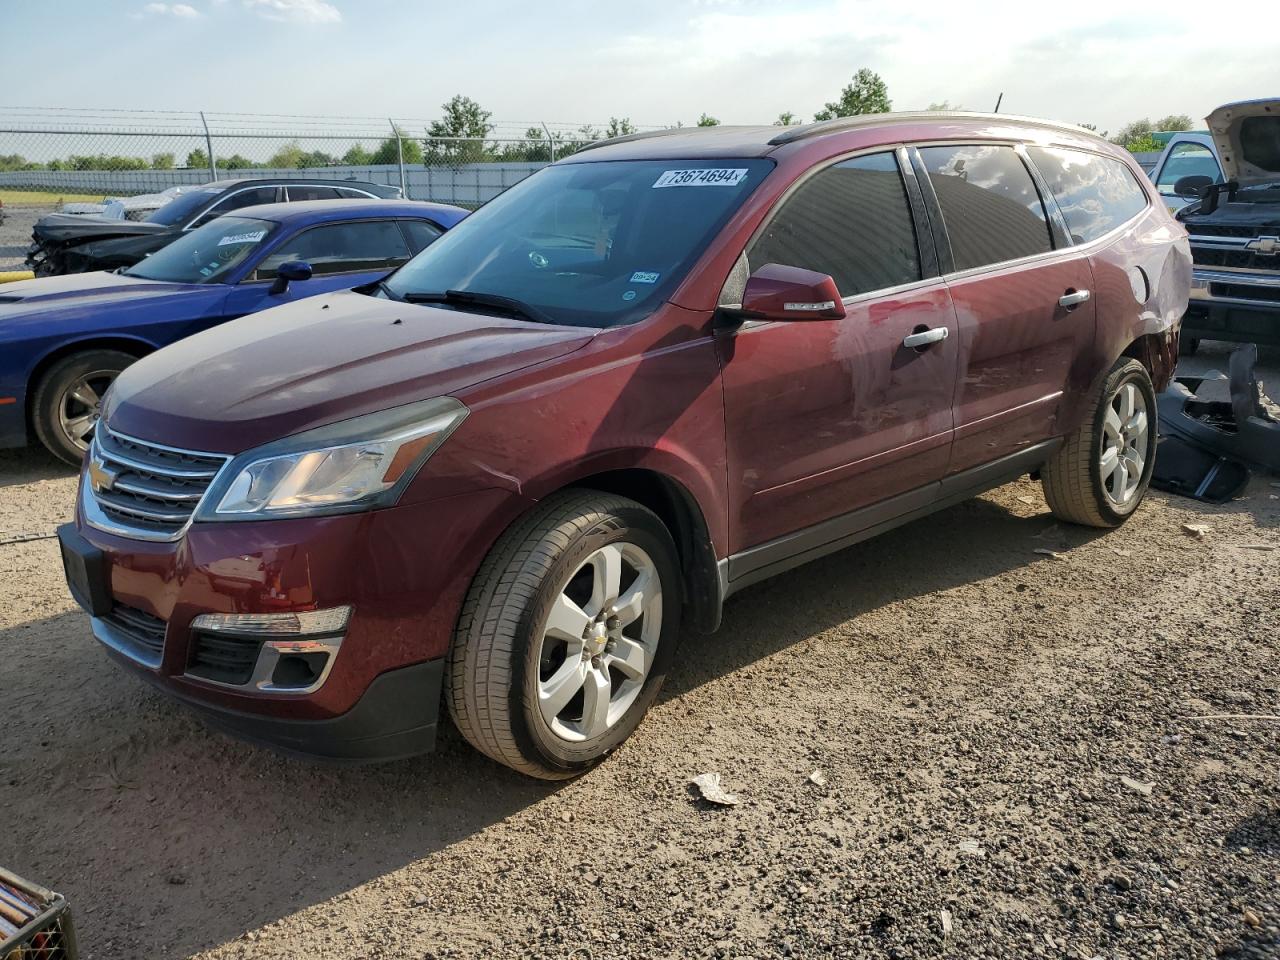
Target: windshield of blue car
(593,244)
(185,206)
(206,254)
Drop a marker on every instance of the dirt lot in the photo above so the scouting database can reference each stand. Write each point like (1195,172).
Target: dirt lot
(974,705)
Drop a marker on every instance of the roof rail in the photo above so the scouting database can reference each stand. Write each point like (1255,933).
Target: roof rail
(628,137)
(805,131)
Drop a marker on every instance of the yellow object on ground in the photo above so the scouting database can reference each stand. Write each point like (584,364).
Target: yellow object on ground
(13,275)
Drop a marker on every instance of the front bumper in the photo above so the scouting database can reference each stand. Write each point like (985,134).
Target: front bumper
(403,571)
(1241,306)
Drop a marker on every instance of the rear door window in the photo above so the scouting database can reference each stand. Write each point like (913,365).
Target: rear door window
(307,191)
(989,202)
(341,248)
(851,221)
(1096,194)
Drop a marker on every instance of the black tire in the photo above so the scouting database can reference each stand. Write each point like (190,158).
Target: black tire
(492,674)
(51,396)
(1073,481)
(1187,346)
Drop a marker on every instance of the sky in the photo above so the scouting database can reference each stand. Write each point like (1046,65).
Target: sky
(653,61)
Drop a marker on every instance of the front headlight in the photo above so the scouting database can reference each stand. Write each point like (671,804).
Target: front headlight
(352,465)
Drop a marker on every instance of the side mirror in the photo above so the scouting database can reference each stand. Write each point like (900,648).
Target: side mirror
(289,272)
(779,292)
(1191,185)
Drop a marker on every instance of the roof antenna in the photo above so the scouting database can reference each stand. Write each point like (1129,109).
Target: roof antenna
(998,99)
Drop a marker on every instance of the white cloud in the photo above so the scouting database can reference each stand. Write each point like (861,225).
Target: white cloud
(296,11)
(180,10)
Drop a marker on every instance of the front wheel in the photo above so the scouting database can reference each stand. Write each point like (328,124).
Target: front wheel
(1101,473)
(67,401)
(566,634)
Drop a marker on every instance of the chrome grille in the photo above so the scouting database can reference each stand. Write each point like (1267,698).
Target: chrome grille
(147,489)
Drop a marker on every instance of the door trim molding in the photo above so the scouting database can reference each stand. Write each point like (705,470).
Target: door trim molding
(786,552)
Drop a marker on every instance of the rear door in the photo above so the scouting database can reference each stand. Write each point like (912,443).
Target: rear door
(825,417)
(1021,296)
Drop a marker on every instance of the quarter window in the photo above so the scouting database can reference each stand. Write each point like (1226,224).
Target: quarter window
(311,192)
(1096,194)
(989,202)
(851,221)
(341,248)
(421,233)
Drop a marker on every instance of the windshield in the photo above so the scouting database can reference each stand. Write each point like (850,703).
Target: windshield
(586,244)
(184,206)
(207,254)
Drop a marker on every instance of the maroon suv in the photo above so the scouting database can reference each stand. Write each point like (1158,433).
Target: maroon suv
(653,373)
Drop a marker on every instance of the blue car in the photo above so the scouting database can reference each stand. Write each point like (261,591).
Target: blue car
(63,340)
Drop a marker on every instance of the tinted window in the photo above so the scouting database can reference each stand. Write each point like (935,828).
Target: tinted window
(989,202)
(351,193)
(341,248)
(206,254)
(851,221)
(1096,194)
(305,192)
(242,198)
(1185,160)
(594,244)
(420,233)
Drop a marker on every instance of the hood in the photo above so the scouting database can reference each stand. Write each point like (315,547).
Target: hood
(317,361)
(64,227)
(1247,136)
(35,298)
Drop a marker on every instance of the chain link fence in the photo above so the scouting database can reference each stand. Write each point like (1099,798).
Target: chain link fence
(58,157)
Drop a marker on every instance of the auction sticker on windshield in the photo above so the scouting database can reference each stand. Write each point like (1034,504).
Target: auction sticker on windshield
(707,177)
(253,237)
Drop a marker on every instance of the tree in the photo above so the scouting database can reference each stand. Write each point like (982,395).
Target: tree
(198,159)
(317,158)
(162,161)
(358,156)
(785,119)
(1175,121)
(287,157)
(1144,144)
(410,149)
(1137,130)
(236,162)
(459,135)
(943,106)
(706,120)
(866,94)
(620,128)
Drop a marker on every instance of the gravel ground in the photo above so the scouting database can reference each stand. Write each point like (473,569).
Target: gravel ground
(1025,753)
(15,235)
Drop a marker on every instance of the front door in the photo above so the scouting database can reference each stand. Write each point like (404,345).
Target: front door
(825,417)
(1022,301)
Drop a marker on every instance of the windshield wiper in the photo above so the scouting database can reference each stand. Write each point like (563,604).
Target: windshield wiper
(470,298)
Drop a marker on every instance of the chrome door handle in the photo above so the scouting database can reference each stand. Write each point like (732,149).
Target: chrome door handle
(925,337)
(1073,298)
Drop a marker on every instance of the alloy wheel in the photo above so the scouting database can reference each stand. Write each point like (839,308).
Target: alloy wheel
(1125,435)
(599,641)
(81,405)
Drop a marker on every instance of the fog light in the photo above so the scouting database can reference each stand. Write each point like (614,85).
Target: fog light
(304,623)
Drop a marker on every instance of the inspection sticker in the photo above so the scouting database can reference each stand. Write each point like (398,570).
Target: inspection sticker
(644,276)
(707,177)
(243,238)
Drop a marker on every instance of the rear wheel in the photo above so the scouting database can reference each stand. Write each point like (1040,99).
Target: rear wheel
(67,401)
(1101,473)
(566,634)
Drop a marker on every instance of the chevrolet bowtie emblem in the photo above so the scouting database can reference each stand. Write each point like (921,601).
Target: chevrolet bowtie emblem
(101,477)
(1266,246)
